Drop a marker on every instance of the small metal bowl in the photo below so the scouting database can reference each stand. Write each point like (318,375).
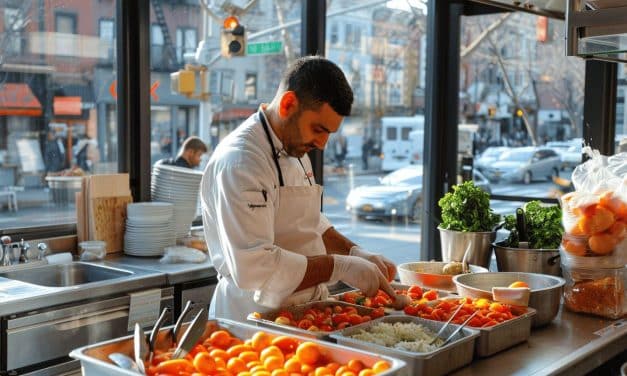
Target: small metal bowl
(546,290)
(429,274)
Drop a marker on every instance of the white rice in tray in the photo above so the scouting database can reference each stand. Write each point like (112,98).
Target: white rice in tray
(403,336)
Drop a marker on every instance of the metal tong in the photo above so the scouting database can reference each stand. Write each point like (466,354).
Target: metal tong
(449,338)
(439,333)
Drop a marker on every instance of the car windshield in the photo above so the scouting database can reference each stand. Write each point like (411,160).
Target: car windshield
(516,156)
(405,176)
(491,153)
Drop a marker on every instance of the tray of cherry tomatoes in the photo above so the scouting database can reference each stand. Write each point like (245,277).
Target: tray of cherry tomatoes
(316,319)
(501,325)
(416,293)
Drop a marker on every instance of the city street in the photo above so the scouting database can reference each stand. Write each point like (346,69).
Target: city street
(398,239)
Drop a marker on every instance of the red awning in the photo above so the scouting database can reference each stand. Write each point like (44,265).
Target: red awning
(233,114)
(67,105)
(18,100)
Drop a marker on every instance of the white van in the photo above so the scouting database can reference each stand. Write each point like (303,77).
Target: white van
(396,143)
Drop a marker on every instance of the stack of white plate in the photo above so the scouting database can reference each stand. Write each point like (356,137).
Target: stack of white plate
(149,228)
(179,186)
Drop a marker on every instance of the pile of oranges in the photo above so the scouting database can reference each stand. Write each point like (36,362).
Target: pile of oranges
(262,355)
(600,226)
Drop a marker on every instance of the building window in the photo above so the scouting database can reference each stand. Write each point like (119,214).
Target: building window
(14,23)
(250,91)
(352,37)
(186,42)
(156,45)
(335,37)
(65,23)
(106,30)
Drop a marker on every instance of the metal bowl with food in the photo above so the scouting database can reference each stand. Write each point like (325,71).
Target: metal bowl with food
(546,290)
(436,275)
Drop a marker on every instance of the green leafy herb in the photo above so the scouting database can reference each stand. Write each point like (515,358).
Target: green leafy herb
(467,209)
(544,226)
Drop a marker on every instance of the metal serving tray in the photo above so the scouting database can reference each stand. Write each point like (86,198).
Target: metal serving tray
(267,319)
(95,362)
(451,356)
(504,335)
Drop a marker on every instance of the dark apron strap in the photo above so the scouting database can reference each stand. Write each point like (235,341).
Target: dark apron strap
(262,117)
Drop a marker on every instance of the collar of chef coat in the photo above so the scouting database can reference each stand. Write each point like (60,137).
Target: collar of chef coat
(278,145)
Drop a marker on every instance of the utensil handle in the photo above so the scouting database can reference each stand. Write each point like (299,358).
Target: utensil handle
(448,321)
(521,224)
(459,328)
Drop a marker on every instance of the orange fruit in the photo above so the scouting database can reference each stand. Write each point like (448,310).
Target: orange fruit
(355,365)
(602,244)
(175,366)
(220,363)
(270,351)
(292,365)
(204,363)
(258,369)
(278,372)
(236,365)
(308,352)
(618,229)
(220,338)
(285,343)
(380,366)
(248,356)
(260,341)
(575,248)
(599,221)
(273,362)
(323,371)
(253,364)
(365,372)
(262,373)
(219,353)
(333,366)
(234,351)
(518,284)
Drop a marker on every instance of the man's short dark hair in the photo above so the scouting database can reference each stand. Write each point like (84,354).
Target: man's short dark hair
(316,80)
(194,143)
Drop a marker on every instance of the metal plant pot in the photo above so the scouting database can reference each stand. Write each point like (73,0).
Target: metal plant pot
(477,245)
(543,261)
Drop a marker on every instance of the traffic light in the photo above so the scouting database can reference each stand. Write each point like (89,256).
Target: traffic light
(233,42)
(491,111)
(519,112)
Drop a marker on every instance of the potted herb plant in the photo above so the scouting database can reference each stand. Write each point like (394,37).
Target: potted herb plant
(535,233)
(468,225)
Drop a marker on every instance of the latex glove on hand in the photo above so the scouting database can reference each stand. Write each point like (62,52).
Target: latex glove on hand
(387,267)
(359,273)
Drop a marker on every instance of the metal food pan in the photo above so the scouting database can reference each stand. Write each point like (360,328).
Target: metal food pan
(451,356)
(267,319)
(503,335)
(95,362)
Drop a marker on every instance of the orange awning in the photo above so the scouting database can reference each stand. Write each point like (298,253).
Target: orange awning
(67,105)
(233,114)
(18,100)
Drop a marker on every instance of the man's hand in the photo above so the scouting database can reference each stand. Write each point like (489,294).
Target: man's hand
(387,267)
(359,273)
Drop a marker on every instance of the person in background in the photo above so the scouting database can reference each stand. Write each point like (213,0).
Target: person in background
(190,154)
(366,147)
(54,152)
(87,154)
(261,205)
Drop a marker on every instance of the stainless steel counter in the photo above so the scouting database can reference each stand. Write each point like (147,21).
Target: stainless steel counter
(175,273)
(17,296)
(573,344)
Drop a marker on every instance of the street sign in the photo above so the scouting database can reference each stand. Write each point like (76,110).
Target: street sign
(264,48)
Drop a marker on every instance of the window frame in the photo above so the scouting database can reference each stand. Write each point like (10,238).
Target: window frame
(69,14)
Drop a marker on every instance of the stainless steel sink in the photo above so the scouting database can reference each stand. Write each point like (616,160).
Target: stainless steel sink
(64,275)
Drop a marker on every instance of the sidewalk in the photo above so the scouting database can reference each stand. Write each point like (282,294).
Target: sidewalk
(354,166)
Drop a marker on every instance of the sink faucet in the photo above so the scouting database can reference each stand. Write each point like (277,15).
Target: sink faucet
(42,247)
(6,245)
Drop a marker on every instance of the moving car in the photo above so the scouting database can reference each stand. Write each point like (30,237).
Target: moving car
(525,164)
(398,194)
(569,151)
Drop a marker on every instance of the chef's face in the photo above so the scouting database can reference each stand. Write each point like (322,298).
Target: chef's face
(195,158)
(308,129)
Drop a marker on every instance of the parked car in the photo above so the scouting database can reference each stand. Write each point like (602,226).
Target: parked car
(569,151)
(489,155)
(398,194)
(525,164)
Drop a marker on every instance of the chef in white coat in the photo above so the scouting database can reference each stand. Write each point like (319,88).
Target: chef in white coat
(261,205)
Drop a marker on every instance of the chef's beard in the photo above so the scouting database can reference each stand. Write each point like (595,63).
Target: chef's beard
(292,138)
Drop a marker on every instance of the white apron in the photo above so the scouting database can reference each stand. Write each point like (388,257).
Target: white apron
(295,229)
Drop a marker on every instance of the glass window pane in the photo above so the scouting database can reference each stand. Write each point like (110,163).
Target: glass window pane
(373,190)
(522,108)
(58,117)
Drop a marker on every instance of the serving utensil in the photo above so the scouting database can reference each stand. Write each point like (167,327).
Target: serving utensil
(173,334)
(191,336)
(140,346)
(447,340)
(152,339)
(439,333)
(124,361)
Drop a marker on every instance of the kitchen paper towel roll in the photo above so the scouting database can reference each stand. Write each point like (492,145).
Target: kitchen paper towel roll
(59,258)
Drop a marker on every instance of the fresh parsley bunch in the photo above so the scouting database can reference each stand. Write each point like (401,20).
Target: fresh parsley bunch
(467,209)
(543,223)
